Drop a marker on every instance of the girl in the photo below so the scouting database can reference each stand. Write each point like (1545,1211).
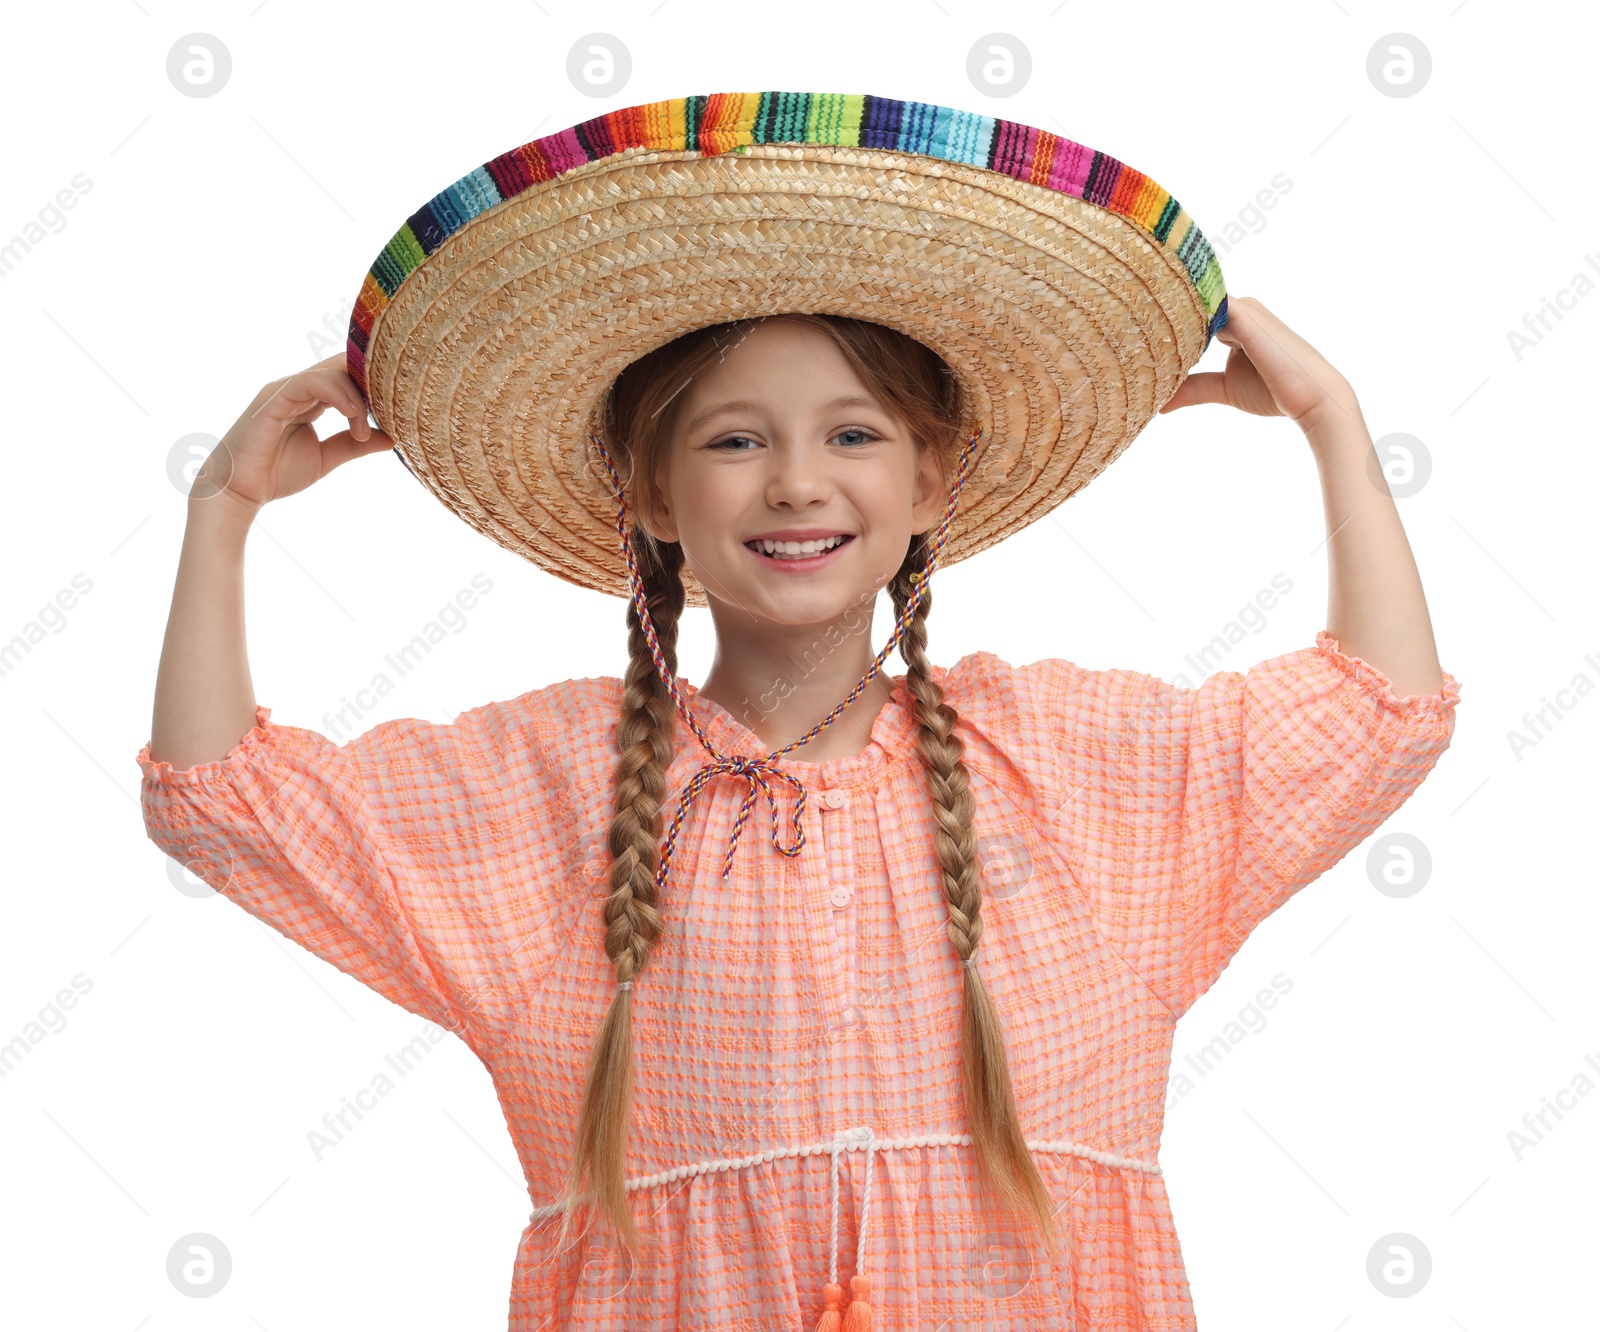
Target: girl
(907,1056)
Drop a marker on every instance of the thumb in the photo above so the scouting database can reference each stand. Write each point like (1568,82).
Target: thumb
(1206,387)
(344,447)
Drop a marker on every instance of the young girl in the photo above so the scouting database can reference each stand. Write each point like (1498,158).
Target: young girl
(902,1052)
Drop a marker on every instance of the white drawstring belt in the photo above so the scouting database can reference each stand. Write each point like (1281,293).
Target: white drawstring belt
(858,1318)
(842,1141)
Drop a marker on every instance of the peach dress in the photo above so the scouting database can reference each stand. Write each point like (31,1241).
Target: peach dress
(798,1112)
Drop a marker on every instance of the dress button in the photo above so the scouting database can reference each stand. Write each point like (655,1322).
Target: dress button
(833,799)
(851,1016)
(594,868)
(841,896)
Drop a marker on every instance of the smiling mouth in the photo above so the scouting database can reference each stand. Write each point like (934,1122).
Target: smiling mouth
(780,555)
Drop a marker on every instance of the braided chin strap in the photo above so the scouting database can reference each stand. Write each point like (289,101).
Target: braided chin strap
(757,771)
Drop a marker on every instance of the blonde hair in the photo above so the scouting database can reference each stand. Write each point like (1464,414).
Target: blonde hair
(915,385)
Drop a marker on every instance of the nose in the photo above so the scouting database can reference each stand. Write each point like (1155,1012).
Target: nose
(798,476)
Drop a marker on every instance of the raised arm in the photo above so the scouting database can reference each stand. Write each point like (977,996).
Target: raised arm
(384,856)
(1376,608)
(204,699)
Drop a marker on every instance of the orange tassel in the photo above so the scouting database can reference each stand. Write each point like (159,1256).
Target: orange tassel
(833,1292)
(858,1317)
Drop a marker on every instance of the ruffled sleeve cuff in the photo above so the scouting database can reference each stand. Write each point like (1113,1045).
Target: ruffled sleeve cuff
(1380,687)
(165,774)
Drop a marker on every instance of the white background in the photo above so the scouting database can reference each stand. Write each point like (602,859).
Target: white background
(218,233)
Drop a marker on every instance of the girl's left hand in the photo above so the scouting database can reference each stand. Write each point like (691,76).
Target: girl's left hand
(1271,371)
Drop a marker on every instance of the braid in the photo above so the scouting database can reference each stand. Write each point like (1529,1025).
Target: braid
(632,920)
(1002,1152)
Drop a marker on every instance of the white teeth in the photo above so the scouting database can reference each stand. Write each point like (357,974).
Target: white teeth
(801,547)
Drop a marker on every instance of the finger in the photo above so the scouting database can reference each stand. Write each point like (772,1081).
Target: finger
(314,391)
(1249,321)
(1263,333)
(309,410)
(1269,346)
(1292,370)
(1242,327)
(1267,319)
(337,388)
(1247,309)
(341,448)
(288,400)
(1208,386)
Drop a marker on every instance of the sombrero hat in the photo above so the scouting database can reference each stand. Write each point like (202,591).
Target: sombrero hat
(1070,294)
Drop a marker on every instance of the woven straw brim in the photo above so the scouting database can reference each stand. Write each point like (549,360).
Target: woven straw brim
(1068,325)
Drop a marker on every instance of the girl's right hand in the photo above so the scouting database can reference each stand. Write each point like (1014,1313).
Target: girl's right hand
(272,450)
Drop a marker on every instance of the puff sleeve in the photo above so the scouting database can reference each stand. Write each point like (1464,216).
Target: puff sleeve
(378,855)
(1190,815)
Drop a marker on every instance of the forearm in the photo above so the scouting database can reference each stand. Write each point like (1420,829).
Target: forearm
(1376,607)
(204,700)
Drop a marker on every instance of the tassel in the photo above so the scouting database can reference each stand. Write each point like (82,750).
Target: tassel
(858,1317)
(834,1294)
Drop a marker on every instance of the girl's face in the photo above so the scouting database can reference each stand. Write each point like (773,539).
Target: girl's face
(780,439)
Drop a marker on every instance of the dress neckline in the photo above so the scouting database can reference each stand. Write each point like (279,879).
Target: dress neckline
(893,734)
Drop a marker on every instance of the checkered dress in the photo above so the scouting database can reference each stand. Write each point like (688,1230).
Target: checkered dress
(797,1096)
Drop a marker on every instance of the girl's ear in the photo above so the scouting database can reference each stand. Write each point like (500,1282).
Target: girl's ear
(659,522)
(652,512)
(929,492)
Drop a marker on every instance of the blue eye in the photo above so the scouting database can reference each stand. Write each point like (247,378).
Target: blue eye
(858,430)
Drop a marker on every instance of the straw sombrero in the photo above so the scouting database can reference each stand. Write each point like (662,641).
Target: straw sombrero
(1070,293)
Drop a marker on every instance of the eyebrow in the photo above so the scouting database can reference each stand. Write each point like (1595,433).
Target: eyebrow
(748,405)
